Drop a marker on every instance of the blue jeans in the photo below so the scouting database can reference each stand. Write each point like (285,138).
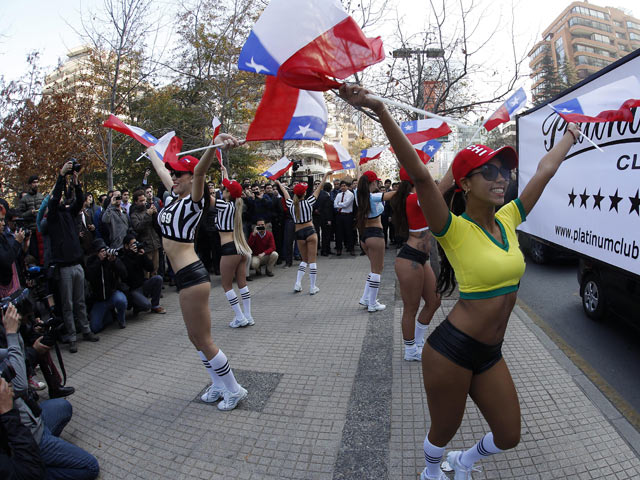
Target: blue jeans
(62,459)
(151,287)
(100,315)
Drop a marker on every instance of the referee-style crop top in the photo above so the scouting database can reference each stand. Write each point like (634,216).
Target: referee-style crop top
(484,266)
(415,217)
(306,209)
(225,215)
(179,218)
(376,205)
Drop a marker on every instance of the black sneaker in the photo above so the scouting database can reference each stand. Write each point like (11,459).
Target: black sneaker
(90,337)
(61,392)
(73,347)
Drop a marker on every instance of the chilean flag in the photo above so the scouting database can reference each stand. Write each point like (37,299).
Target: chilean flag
(138,133)
(427,150)
(338,157)
(215,123)
(168,147)
(278,169)
(287,113)
(371,154)
(418,131)
(610,103)
(305,42)
(503,114)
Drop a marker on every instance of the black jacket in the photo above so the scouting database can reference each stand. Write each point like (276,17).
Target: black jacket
(19,453)
(136,265)
(65,242)
(104,277)
(324,206)
(9,253)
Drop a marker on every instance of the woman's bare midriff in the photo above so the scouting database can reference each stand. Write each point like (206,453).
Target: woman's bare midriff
(180,254)
(485,319)
(420,241)
(300,226)
(373,222)
(226,237)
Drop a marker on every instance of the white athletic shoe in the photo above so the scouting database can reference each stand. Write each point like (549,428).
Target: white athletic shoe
(313,290)
(297,288)
(461,472)
(239,322)
(250,321)
(376,307)
(231,400)
(213,394)
(413,355)
(440,476)
(364,302)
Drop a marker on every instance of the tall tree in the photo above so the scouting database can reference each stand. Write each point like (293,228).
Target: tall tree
(551,83)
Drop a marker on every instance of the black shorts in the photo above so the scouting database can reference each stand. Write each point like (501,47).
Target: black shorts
(371,232)
(413,254)
(463,350)
(191,275)
(305,233)
(229,248)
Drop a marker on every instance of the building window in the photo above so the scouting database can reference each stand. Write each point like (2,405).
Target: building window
(538,51)
(623,47)
(589,23)
(582,73)
(621,35)
(634,36)
(633,25)
(594,62)
(559,51)
(590,12)
(597,51)
(618,24)
(600,38)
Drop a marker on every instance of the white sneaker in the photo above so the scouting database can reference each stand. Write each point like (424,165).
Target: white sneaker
(213,394)
(440,476)
(231,400)
(461,472)
(413,355)
(297,288)
(313,290)
(239,322)
(364,302)
(250,321)
(376,307)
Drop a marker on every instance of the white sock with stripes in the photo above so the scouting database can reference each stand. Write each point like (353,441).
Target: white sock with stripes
(301,269)
(432,457)
(233,301)
(313,270)
(374,285)
(480,450)
(409,345)
(246,301)
(220,366)
(214,378)
(365,294)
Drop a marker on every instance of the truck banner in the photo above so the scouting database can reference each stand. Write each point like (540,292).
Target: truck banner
(592,204)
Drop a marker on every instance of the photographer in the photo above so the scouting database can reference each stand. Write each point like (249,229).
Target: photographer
(140,290)
(142,221)
(67,256)
(105,272)
(11,245)
(116,220)
(46,421)
(263,249)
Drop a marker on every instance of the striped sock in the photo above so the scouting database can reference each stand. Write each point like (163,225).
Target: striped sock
(214,378)
(432,457)
(420,330)
(221,368)
(409,344)
(365,294)
(246,301)
(374,285)
(313,270)
(301,269)
(480,450)
(233,301)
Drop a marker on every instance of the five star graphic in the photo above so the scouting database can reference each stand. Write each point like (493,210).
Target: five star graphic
(256,66)
(583,198)
(303,129)
(615,200)
(597,198)
(635,203)
(572,198)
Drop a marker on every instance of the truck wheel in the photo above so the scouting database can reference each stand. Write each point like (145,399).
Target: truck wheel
(538,252)
(593,301)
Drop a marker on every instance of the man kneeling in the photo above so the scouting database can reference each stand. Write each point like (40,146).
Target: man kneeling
(140,290)
(263,249)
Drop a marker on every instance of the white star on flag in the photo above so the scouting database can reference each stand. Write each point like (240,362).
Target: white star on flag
(303,129)
(408,127)
(566,110)
(256,66)
(431,149)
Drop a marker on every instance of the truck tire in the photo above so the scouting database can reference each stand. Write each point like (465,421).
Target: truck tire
(538,252)
(593,299)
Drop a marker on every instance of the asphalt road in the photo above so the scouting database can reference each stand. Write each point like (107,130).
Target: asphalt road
(611,347)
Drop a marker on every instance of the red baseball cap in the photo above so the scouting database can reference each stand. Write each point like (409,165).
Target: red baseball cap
(475,156)
(235,189)
(186,163)
(404,176)
(300,189)
(371,175)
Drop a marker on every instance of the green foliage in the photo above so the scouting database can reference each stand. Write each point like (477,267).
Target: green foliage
(551,84)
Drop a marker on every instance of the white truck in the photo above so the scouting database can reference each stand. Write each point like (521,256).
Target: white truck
(592,205)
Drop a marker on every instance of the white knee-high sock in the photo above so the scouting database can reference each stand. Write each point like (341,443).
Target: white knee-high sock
(214,378)
(374,285)
(480,450)
(233,301)
(365,294)
(246,301)
(313,270)
(420,330)
(432,457)
(301,269)
(220,366)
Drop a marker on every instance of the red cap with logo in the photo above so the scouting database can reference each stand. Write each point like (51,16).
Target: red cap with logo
(183,164)
(475,156)
(371,175)
(235,189)
(300,189)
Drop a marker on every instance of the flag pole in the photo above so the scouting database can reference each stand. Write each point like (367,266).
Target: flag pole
(476,133)
(406,106)
(217,145)
(582,134)
(144,155)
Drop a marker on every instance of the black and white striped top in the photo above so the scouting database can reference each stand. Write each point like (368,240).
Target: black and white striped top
(226,214)
(306,209)
(179,218)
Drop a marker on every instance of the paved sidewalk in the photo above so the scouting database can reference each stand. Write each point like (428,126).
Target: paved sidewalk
(329,394)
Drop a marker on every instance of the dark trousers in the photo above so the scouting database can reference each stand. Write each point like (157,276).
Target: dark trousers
(385,229)
(287,241)
(326,237)
(208,248)
(344,231)
(147,296)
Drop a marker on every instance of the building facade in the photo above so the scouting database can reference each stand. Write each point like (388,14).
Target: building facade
(586,36)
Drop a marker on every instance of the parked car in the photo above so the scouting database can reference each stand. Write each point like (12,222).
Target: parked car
(542,252)
(606,289)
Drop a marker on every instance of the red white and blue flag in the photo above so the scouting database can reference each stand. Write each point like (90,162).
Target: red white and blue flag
(215,123)
(168,146)
(427,150)
(278,169)
(137,133)
(418,131)
(371,154)
(610,103)
(287,113)
(503,114)
(308,43)
(338,157)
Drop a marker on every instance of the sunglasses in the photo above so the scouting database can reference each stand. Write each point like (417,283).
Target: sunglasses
(177,173)
(490,172)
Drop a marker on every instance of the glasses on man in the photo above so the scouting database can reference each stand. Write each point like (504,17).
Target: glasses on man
(490,172)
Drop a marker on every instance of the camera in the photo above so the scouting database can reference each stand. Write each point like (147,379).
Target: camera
(18,301)
(113,252)
(52,331)
(296,165)
(139,245)
(7,371)
(75,166)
